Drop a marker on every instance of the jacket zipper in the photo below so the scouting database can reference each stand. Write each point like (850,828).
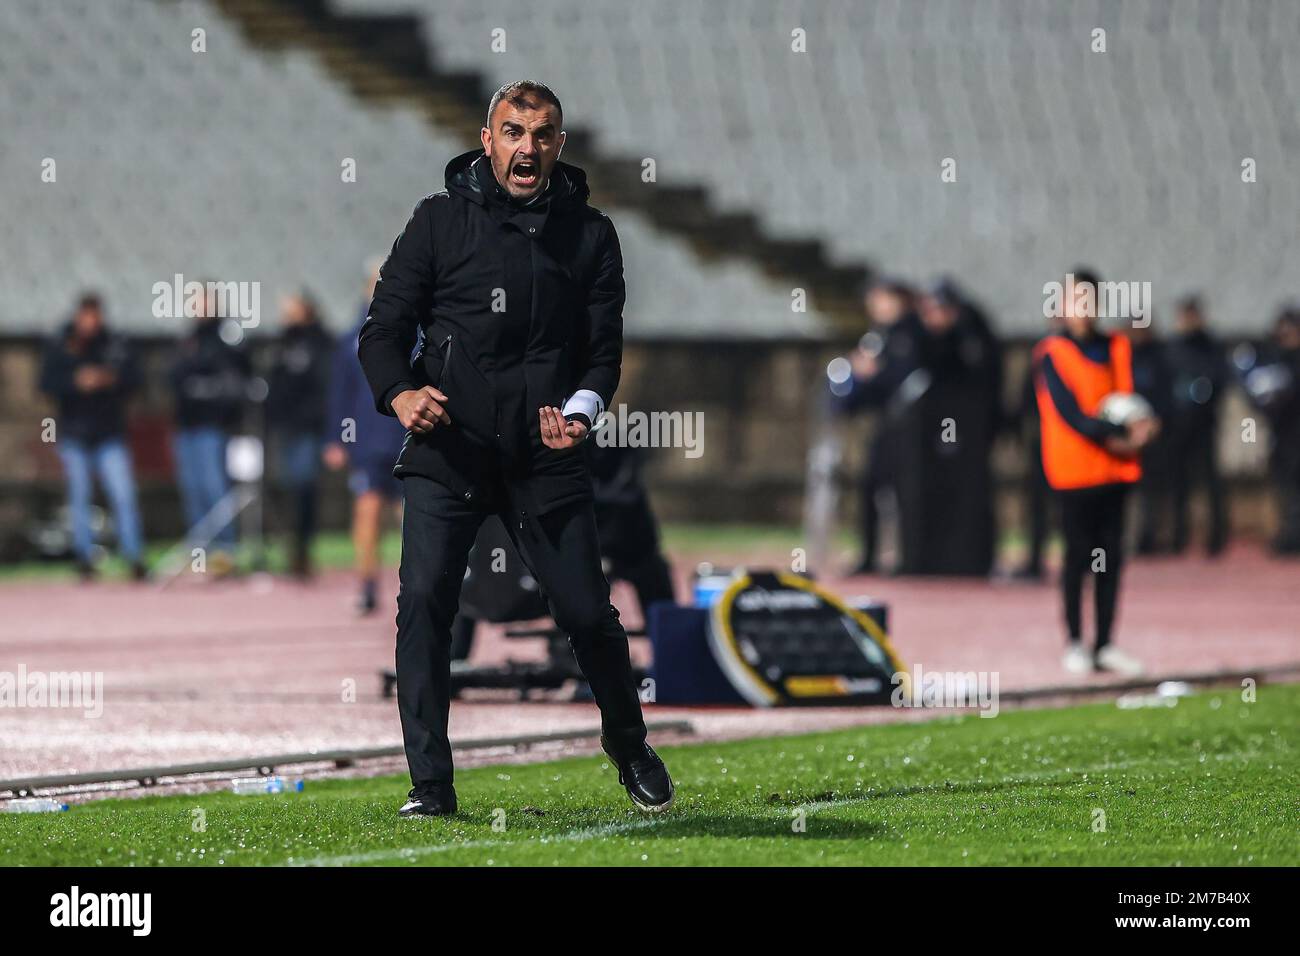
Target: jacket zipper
(446,360)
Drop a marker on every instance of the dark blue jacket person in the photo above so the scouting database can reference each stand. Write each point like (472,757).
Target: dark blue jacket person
(366,443)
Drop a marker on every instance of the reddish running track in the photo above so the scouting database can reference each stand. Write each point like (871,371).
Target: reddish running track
(240,668)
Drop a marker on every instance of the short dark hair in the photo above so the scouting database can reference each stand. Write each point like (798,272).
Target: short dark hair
(90,300)
(309,303)
(519,93)
(1085,276)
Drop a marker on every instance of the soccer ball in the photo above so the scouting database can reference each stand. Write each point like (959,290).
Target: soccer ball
(1120,408)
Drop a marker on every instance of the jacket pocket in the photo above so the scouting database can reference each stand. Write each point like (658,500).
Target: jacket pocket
(433,363)
(470,399)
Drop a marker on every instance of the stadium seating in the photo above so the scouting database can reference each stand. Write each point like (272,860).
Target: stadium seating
(1057,147)
(227,165)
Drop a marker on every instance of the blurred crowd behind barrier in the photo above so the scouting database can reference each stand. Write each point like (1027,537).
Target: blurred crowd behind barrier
(762,404)
(274,144)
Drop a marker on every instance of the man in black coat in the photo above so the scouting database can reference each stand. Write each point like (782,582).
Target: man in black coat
(881,363)
(945,471)
(1199,374)
(1153,380)
(297,402)
(495,337)
(1272,382)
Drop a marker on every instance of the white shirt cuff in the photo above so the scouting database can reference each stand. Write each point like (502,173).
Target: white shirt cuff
(585,402)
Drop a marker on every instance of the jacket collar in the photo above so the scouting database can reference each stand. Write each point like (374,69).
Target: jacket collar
(470,176)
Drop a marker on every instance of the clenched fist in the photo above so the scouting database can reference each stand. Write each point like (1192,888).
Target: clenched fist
(556,432)
(420,409)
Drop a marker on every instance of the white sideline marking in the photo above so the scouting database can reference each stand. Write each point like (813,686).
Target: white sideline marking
(407,853)
(1064,775)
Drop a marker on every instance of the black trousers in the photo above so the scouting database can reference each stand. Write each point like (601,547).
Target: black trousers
(1195,461)
(1285,469)
(1155,492)
(877,476)
(1093,522)
(629,548)
(562,551)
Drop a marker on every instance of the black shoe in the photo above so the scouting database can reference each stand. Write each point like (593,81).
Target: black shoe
(434,800)
(139,572)
(646,779)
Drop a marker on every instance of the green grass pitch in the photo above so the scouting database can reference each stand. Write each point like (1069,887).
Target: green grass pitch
(1214,780)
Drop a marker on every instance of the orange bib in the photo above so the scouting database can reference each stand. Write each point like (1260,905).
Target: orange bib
(1069,459)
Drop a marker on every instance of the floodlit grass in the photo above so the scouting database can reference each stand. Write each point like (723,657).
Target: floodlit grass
(331,550)
(726,542)
(1213,780)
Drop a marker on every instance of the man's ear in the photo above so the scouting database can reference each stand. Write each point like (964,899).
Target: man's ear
(561,147)
(485,137)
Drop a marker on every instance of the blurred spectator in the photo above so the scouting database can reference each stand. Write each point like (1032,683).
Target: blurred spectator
(90,374)
(946,508)
(297,390)
(1199,373)
(886,355)
(1153,380)
(935,374)
(1034,487)
(1090,462)
(208,379)
(978,348)
(1272,381)
(367,444)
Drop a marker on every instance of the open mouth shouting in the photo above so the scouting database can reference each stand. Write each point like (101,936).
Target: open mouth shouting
(525,174)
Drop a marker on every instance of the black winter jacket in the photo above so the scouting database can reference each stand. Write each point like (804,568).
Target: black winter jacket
(1199,374)
(208,379)
(506,308)
(298,396)
(89,416)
